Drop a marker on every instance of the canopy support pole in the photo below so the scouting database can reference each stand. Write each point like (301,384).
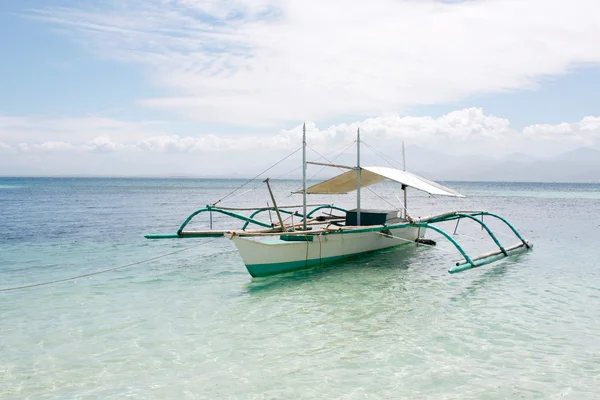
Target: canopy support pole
(405,209)
(404,186)
(358,177)
(304,176)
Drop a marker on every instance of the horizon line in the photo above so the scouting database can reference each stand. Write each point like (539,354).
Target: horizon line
(191,177)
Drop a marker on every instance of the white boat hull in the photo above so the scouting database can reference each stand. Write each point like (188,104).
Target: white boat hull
(274,257)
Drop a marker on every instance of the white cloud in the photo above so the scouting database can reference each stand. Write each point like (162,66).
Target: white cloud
(74,130)
(104,144)
(210,143)
(549,131)
(590,124)
(469,129)
(175,144)
(469,132)
(5,146)
(54,146)
(271,62)
(23,147)
(584,133)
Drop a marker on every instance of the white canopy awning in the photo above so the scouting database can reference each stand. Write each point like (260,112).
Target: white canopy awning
(346,182)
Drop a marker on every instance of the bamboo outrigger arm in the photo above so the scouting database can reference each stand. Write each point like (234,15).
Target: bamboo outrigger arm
(276,229)
(310,214)
(247,220)
(486,258)
(180,232)
(294,213)
(261,210)
(462,214)
(219,210)
(468,262)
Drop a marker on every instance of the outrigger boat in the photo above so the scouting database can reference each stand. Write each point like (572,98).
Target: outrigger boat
(317,239)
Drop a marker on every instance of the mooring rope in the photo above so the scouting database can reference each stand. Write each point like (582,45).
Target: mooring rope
(103,271)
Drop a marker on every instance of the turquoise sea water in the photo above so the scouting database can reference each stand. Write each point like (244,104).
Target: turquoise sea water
(195,325)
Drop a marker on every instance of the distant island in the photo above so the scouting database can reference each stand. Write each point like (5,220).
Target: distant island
(579,165)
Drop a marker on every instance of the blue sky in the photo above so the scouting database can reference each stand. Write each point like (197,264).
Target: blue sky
(46,72)
(195,76)
(561,98)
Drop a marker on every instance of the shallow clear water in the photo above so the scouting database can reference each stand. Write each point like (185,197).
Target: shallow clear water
(195,325)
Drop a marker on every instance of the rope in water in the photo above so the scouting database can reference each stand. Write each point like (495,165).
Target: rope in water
(103,271)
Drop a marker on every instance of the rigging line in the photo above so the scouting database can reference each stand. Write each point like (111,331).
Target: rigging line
(343,148)
(366,187)
(387,159)
(300,167)
(382,155)
(272,166)
(243,193)
(330,161)
(326,159)
(391,187)
(287,173)
(402,206)
(103,271)
(343,151)
(382,198)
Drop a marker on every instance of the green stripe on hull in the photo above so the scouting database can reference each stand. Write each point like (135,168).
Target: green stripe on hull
(262,270)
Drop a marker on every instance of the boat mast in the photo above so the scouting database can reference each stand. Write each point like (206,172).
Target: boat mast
(404,186)
(358,177)
(304,176)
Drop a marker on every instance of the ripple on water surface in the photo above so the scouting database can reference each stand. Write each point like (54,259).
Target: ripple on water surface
(195,325)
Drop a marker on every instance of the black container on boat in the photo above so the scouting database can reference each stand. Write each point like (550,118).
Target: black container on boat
(369,217)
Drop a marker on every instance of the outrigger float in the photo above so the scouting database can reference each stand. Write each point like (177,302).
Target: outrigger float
(317,239)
